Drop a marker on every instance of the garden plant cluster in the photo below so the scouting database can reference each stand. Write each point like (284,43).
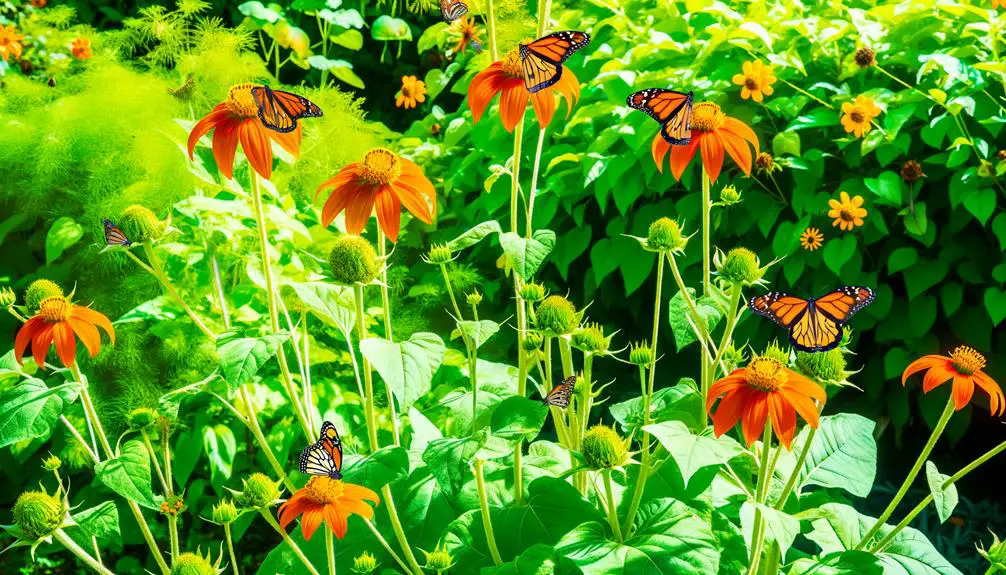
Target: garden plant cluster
(479,323)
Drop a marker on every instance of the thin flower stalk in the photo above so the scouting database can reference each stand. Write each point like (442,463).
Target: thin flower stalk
(330,551)
(80,439)
(384,543)
(157,270)
(290,542)
(221,297)
(487,523)
(369,411)
(396,526)
(795,475)
(386,308)
(71,546)
(251,421)
(230,548)
(491,26)
(733,314)
(172,521)
(610,500)
(764,478)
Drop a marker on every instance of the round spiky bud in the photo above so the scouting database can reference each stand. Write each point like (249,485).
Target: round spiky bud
(533,292)
(7,297)
(640,353)
(75,455)
(439,254)
(729,196)
(38,514)
(259,492)
(557,315)
(590,338)
(194,564)
(474,298)
(140,224)
(141,418)
(364,563)
(664,235)
(603,448)
(52,463)
(823,367)
(39,291)
(225,512)
(353,260)
(776,352)
(532,341)
(995,555)
(865,57)
(911,171)
(732,357)
(740,266)
(439,560)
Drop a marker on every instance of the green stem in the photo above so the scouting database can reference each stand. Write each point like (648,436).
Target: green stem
(764,478)
(705,338)
(728,331)
(158,271)
(84,556)
(386,308)
(644,467)
(610,498)
(368,379)
(230,548)
(808,94)
(396,526)
(472,366)
(154,460)
(487,523)
(491,25)
(330,551)
(267,515)
(173,536)
(306,383)
(384,543)
(706,365)
(937,431)
(534,182)
(256,429)
(586,393)
(221,296)
(544,9)
(791,482)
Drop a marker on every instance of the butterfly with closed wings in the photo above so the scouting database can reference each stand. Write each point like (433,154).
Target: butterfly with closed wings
(452,10)
(279,111)
(672,109)
(114,236)
(323,457)
(560,395)
(813,324)
(541,60)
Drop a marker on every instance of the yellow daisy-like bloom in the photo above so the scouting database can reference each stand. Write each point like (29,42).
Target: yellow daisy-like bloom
(848,213)
(10,43)
(413,91)
(857,116)
(811,239)
(756,81)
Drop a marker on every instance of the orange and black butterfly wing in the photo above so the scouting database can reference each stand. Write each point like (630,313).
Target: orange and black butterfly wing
(844,302)
(279,111)
(542,59)
(114,236)
(561,394)
(452,10)
(671,108)
(297,107)
(324,457)
(332,444)
(782,308)
(815,331)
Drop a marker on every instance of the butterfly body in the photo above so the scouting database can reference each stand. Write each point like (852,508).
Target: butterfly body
(452,10)
(324,457)
(114,236)
(814,324)
(671,108)
(279,110)
(560,394)
(541,60)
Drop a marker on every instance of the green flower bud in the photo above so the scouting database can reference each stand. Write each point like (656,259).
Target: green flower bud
(141,418)
(740,266)
(533,292)
(664,235)
(776,352)
(225,512)
(532,341)
(353,260)
(823,367)
(439,560)
(38,514)
(474,298)
(557,315)
(732,357)
(39,291)
(259,492)
(364,563)
(139,224)
(591,338)
(75,455)
(640,353)
(995,555)
(439,254)
(7,297)
(729,196)
(195,564)
(173,506)
(986,169)
(603,448)
(52,463)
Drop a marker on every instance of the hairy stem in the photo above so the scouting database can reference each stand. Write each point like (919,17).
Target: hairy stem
(487,523)
(707,367)
(330,551)
(610,498)
(157,270)
(71,546)
(384,543)
(386,308)
(764,478)
(396,526)
(644,468)
(267,515)
(369,412)
(230,548)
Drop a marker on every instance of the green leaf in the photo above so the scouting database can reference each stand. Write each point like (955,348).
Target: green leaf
(242,357)
(474,235)
(432,37)
(348,18)
(539,558)
(64,233)
(220,446)
(819,118)
(679,316)
(350,39)
(407,367)
(332,303)
(780,528)
(980,202)
(680,402)
(477,332)
(693,452)
(30,409)
(839,251)
(786,143)
(995,304)
(945,499)
(100,522)
(888,187)
(378,469)
(128,474)
(448,460)
(341,69)
(901,258)
(553,507)
(388,29)
(842,563)
(518,418)
(843,455)
(258,11)
(527,255)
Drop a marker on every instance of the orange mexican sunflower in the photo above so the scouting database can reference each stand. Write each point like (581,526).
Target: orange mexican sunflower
(383,179)
(413,91)
(10,43)
(329,500)
(964,366)
(61,321)
(468,34)
(712,132)
(506,77)
(765,389)
(857,116)
(81,48)
(757,80)
(237,120)
(848,213)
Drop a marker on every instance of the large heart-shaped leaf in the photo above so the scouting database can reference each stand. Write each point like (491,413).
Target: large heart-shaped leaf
(693,452)
(100,522)
(332,303)
(474,235)
(779,528)
(945,499)
(518,418)
(680,317)
(527,255)
(30,409)
(681,402)
(128,474)
(843,455)
(407,367)
(242,357)
(377,469)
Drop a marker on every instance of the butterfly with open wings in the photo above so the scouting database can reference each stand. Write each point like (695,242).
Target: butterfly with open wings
(115,236)
(560,394)
(671,108)
(279,110)
(324,457)
(541,60)
(814,324)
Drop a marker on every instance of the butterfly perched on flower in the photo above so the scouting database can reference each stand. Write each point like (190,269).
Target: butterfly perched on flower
(813,324)
(542,59)
(672,109)
(114,236)
(559,396)
(280,110)
(451,10)
(324,457)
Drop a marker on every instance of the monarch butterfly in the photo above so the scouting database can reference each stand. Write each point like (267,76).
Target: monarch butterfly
(325,456)
(451,10)
(114,236)
(813,324)
(672,109)
(559,396)
(280,110)
(542,59)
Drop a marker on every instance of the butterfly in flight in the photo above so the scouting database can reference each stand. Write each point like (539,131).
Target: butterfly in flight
(323,457)
(672,109)
(813,324)
(114,236)
(542,59)
(559,396)
(452,10)
(279,111)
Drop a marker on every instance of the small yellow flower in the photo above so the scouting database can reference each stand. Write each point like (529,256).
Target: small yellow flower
(413,91)
(848,213)
(467,33)
(811,239)
(756,80)
(857,116)
(10,43)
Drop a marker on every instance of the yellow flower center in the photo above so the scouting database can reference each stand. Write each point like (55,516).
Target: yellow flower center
(381,166)
(846,215)
(54,309)
(966,360)
(512,64)
(241,102)
(751,84)
(324,490)
(765,374)
(707,117)
(857,116)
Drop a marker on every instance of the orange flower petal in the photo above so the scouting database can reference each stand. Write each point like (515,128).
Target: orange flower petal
(88,335)
(712,154)
(682,155)
(543,103)
(413,200)
(225,145)
(359,209)
(356,506)
(338,200)
(345,175)
(568,87)
(336,520)
(66,343)
(936,377)
(805,386)
(659,149)
(997,402)
(256,145)
(729,411)
(925,362)
(289,141)
(964,388)
(738,149)
(204,126)
(24,337)
(95,318)
(310,520)
(725,385)
(351,490)
(783,419)
(40,343)
(292,508)
(753,420)
(484,88)
(513,103)
(735,126)
(389,212)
